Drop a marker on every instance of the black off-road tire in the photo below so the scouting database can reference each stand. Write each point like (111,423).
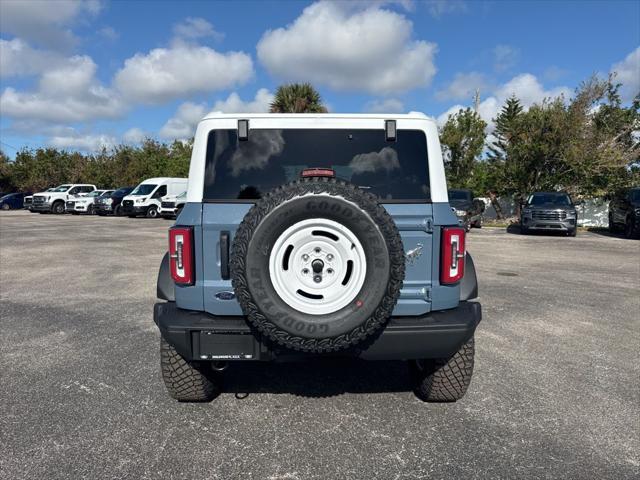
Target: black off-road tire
(187,381)
(317,197)
(58,207)
(632,226)
(444,380)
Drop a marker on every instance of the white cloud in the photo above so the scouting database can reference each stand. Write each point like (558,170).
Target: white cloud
(87,143)
(67,93)
(505,57)
(628,73)
(363,49)
(463,87)
(386,105)
(183,124)
(194,28)
(45,22)
(528,90)
(438,8)
(526,87)
(443,117)
(181,70)
(108,33)
(134,135)
(18,58)
(234,104)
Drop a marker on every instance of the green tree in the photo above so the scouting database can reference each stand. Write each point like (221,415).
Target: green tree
(297,98)
(587,145)
(462,138)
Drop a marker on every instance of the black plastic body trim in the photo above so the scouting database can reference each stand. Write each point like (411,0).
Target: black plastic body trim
(224,254)
(201,336)
(469,283)
(166,289)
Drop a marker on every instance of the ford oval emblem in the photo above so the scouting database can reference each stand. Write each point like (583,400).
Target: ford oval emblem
(225,295)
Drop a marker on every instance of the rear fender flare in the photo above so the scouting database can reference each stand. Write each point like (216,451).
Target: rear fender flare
(165,288)
(469,283)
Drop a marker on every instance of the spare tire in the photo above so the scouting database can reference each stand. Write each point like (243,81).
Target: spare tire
(317,265)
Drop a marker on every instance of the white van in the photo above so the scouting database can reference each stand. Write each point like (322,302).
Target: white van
(145,198)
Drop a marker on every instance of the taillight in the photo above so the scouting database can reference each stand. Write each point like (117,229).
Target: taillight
(181,255)
(452,255)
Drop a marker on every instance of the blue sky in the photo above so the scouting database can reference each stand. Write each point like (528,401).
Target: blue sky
(79,75)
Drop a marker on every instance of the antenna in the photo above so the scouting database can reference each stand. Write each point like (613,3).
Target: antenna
(476,100)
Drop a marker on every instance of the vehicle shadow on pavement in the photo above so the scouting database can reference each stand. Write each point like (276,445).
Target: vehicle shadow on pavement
(317,377)
(604,232)
(514,229)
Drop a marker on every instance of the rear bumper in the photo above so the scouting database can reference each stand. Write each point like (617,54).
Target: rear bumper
(201,336)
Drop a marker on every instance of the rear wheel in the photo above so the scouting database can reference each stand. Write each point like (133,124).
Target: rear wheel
(444,380)
(91,210)
(5,206)
(187,381)
(116,211)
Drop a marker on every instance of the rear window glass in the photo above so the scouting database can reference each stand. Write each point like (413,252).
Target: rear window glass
(246,170)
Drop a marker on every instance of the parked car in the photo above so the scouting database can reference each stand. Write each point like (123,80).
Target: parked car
(172,205)
(549,211)
(110,204)
(317,234)
(468,210)
(86,203)
(54,199)
(13,201)
(145,198)
(624,212)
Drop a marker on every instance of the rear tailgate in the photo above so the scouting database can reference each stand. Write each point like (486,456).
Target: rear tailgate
(220,220)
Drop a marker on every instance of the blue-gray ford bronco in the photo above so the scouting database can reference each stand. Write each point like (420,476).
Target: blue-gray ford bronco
(317,235)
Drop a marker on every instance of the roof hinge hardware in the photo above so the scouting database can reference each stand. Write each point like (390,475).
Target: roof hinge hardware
(390,130)
(243,130)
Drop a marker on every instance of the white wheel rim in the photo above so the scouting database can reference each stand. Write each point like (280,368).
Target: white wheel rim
(299,249)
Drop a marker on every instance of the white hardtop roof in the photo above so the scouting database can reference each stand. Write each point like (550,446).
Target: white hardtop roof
(161,179)
(384,116)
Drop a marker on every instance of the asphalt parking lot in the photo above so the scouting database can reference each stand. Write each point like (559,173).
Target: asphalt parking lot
(555,393)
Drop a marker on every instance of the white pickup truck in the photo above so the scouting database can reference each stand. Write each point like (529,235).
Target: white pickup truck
(54,200)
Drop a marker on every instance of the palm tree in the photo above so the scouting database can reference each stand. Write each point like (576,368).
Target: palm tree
(297,98)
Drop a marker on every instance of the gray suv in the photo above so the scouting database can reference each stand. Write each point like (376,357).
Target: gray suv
(549,211)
